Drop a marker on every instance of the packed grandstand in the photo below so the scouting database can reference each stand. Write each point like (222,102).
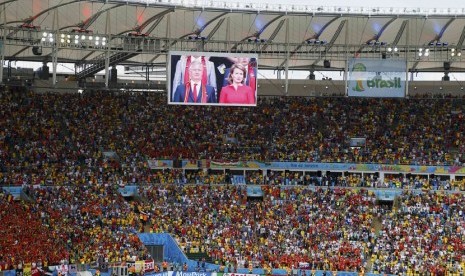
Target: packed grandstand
(132,154)
(53,145)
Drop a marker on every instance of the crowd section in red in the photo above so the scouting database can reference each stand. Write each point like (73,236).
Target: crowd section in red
(59,138)
(78,224)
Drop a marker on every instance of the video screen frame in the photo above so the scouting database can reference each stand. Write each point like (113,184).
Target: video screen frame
(211,72)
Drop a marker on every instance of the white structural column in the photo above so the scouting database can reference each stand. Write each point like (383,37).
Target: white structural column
(407,92)
(107,50)
(346,65)
(55,47)
(286,72)
(3,44)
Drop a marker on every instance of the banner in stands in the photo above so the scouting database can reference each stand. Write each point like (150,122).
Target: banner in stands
(239,274)
(377,78)
(73,268)
(182,273)
(159,164)
(128,191)
(309,166)
(14,192)
(149,266)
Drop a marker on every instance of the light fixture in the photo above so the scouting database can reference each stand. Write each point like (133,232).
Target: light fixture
(395,49)
(316,41)
(389,49)
(83,37)
(423,52)
(90,37)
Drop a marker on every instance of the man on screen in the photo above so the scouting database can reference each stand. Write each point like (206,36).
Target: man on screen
(181,75)
(194,91)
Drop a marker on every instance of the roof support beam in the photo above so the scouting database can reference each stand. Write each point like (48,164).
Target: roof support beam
(257,33)
(400,33)
(2,46)
(274,34)
(436,38)
(215,29)
(314,36)
(196,32)
(332,41)
(376,36)
(459,45)
(286,68)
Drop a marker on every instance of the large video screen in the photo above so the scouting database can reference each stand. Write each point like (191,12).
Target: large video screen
(200,78)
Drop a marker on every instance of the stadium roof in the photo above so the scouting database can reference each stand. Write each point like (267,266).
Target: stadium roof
(298,36)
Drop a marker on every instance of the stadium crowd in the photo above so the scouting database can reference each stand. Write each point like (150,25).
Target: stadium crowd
(79,224)
(61,138)
(329,229)
(70,152)
(426,235)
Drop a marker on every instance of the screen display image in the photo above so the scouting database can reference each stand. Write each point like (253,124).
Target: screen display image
(377,78)
(200,78)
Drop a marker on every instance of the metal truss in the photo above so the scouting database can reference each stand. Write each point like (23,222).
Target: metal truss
(65,40)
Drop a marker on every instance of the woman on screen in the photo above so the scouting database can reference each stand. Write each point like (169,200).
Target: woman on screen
(237,92)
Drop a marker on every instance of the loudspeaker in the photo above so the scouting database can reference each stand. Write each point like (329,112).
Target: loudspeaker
(311,76)
(327,63)
(43,72)
(383,55)
(113,75)
(446,77)
(36,50)
(446,65)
